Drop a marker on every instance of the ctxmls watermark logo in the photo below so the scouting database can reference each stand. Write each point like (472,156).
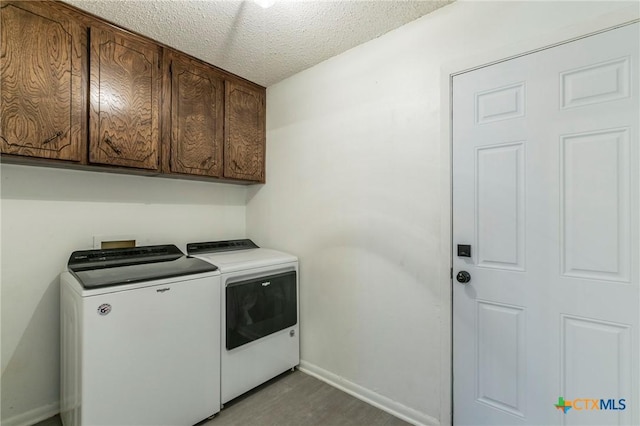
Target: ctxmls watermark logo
(580,404)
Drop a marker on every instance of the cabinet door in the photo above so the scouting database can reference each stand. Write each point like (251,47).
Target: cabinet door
(244,145)
(41,66)
(125,93)
(197,117)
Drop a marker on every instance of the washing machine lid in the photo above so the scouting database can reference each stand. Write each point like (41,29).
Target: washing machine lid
(238,255)
(110,267)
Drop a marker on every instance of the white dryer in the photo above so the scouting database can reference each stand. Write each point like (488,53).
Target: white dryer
(259,305)
(140,338)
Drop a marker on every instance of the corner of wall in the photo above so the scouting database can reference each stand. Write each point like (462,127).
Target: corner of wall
(32,417)
(392,407)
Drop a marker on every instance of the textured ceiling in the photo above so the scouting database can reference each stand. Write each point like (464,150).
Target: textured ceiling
(261,45)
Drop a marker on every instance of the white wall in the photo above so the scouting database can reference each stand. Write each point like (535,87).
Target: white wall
(357,188)
(47,214)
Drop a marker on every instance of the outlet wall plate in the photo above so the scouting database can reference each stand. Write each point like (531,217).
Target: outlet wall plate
(115,241)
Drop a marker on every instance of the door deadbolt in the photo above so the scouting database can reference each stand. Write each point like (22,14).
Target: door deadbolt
(463,277)
(464,250)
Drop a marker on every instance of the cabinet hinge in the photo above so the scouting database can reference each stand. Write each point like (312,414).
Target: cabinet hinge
(171,68)
(451,273)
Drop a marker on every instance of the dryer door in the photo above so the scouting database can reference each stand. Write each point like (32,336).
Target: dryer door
(259,307)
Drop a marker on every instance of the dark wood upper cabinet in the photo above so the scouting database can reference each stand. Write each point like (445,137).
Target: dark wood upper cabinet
(196,116)
(125,98)
(76,88)
(42,60)
(244,140)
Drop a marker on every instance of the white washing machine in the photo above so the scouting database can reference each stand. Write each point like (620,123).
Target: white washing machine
(140,330)
(259,305)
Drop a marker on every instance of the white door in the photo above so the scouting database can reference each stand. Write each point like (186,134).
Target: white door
(546,193)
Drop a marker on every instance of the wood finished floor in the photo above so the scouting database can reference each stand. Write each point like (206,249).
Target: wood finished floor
(294,399)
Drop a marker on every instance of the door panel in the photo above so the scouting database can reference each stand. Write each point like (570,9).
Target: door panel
(596,235)
(608,344)
(244,147)
(197,118)
(125,93)
(500,331)
(545,189)
(501,103)
(603,82)
(499,194)
(43,57)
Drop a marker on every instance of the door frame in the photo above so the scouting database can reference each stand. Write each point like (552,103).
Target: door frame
(606,22)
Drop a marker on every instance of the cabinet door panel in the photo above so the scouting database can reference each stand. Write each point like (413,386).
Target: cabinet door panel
(125,92)
(244,147)
(42,55)
(197,114)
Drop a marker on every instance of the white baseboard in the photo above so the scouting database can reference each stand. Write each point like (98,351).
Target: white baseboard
(382,402)
(34,416)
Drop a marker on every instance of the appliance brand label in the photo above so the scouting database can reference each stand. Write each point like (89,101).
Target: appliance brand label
(104,309)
